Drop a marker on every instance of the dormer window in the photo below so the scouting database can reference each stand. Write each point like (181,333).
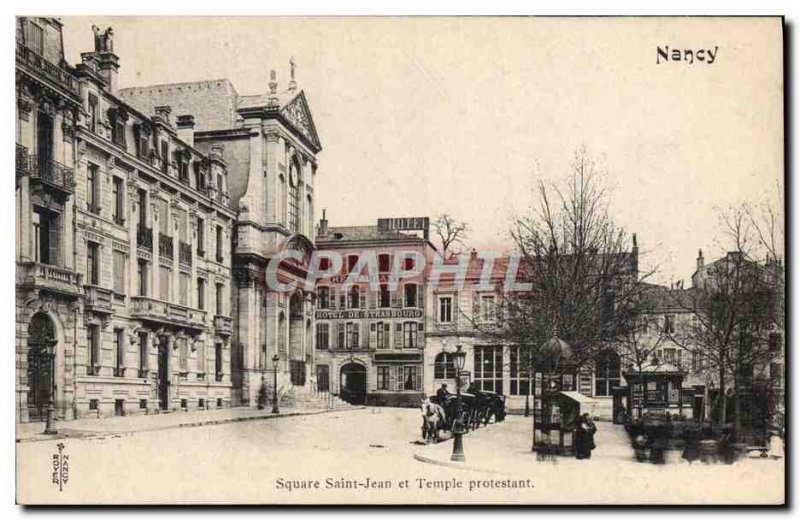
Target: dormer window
(117,118)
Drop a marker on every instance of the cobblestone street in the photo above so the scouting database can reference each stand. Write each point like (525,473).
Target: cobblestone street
(372,455)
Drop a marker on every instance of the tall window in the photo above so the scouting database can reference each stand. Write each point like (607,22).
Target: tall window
(117,119)
(142,353)
(323,297)
(183,288)
(607,372)
(354,297)
(142,207)
(182,158)
(119,339)
(519,372)
(444,366)
(294,198)
(120,265)
(323,336)
(201,293)
(201,237)
(219,243)
(93,341)
(165,156)
(352,335)
(93,188)
(383,372)
(340,336)
(385,296)
(92,114)
(488,368)
(409,377)
(487,308)
(352,261)
(445,309)
(92,262)
(220,299)
(410,334)
(141,275)
(45,236)
(218,361)
(410,290)
(384,262)
(119,200)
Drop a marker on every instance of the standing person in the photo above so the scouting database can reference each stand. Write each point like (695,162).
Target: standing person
(584,437)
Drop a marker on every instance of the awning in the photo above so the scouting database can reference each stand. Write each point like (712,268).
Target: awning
(579,397)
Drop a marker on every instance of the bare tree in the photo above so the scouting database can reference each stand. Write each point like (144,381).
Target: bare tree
(736,305)
(580,269)
(450,232)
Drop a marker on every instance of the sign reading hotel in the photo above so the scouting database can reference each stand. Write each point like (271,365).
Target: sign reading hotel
(405,224)
(355,314)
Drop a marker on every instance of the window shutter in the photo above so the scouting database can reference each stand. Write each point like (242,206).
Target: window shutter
(398,335)
(476,306)
(418,370)
(455,307)
(373,334)
(373,299)
(420,297)
(334,336)
(420,335)
(362,299)
(397,297)
(399,377)
(387,331)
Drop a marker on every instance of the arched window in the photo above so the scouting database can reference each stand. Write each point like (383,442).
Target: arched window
(294,197)
(444,367)
(607,374)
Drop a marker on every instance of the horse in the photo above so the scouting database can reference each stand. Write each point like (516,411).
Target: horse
(433,420)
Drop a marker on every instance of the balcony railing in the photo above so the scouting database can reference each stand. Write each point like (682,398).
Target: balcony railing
(52,173)
(22,160)
(99,299)
(143,307)
(53,72)
(48,276)
(223,325)
(144,237)
(165,246)
(185,253)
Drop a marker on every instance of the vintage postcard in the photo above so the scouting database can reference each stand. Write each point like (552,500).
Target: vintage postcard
(417,260)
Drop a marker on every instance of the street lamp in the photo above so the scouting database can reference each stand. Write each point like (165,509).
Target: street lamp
(48,352)
(275,360)
(458,426)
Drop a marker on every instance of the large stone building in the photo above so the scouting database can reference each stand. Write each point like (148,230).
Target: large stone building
(123,248)
(370,332)
(270,145)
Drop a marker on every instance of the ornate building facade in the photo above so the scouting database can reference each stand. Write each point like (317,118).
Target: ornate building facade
(123,249)
(270,146)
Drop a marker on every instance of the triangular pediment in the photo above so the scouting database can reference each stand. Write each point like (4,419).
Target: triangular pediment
(297,113)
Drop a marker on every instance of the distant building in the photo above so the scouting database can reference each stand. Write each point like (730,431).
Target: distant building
(370,337)
(119,215)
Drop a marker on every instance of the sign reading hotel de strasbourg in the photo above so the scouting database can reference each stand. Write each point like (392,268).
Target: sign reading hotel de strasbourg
(369,314)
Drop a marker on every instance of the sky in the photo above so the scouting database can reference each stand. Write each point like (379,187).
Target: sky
(419,117)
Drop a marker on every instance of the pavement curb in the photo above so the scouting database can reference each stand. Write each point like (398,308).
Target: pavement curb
(78,434)
(456,465)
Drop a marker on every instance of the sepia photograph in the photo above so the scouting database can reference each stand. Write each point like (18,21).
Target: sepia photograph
(436,260)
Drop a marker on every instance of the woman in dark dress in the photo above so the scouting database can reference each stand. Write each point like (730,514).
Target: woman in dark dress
(584,437)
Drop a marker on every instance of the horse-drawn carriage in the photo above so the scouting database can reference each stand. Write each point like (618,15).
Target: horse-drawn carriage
(477,407)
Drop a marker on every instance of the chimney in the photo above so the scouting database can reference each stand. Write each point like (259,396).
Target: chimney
(107,61)
(323,225)
(700,260)
(162,114)
(186,129)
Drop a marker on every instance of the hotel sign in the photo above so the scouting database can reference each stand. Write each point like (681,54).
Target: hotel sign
(405,224)
(370,314)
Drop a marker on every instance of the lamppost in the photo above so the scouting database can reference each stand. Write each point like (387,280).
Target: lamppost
(48,352)
(275,360)
(458,426)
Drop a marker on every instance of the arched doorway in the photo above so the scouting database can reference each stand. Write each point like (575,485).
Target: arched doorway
(353,383)
(41,357)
